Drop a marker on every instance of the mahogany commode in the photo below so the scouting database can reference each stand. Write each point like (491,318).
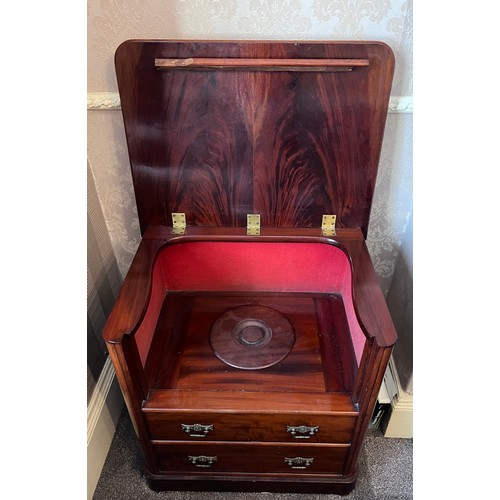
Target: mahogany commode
(250,358)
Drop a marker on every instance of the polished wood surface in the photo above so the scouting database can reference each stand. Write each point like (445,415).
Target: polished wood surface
(329,403)
(182,377)
(219,130)
(265,458)
(190,364)
(338,484)
(254,425)
(218,145)
(231,63)
(252,336)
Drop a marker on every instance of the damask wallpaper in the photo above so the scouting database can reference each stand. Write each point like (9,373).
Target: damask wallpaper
(110,22)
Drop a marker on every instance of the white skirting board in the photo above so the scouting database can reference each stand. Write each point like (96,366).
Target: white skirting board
(398,423)
(103,412)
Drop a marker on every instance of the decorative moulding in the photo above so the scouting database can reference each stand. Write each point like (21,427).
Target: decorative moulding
(111,100)
(401,104)
(103,100)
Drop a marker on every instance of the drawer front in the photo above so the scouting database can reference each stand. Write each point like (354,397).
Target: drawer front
(298,428)
(251,458)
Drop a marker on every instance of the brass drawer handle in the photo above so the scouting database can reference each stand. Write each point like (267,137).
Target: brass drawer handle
(302,431)
(299,462)
(202,460)
(197,430)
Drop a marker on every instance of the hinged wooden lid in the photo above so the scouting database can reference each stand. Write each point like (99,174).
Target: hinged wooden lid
(219,130)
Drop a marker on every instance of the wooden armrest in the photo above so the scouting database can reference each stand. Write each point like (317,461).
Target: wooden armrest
(134,294)
(369,301)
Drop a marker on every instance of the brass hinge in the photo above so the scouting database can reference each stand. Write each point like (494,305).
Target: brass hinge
(328,225)
(178,223)
(253,224)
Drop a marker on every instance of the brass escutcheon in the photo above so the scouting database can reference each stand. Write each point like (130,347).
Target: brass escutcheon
(202,460)
(302,431)
(197,430)
(299,462)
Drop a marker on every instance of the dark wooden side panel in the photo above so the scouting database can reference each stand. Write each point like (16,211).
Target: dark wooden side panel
(368,387)
(167,339)
(130,385)
(339,361)
(171,328)
(218,144)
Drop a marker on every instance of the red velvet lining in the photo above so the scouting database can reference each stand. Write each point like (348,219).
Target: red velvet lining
(250,267)
(263,267)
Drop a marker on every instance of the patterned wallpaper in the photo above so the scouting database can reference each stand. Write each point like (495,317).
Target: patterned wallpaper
(112,21)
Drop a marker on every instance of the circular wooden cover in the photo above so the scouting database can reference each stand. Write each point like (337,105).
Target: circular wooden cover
(251,337)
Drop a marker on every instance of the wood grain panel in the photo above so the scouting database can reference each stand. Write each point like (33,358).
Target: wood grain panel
(216,145)
(254,426)
(246,457)
(197,368)
(332,403)
(289,145)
